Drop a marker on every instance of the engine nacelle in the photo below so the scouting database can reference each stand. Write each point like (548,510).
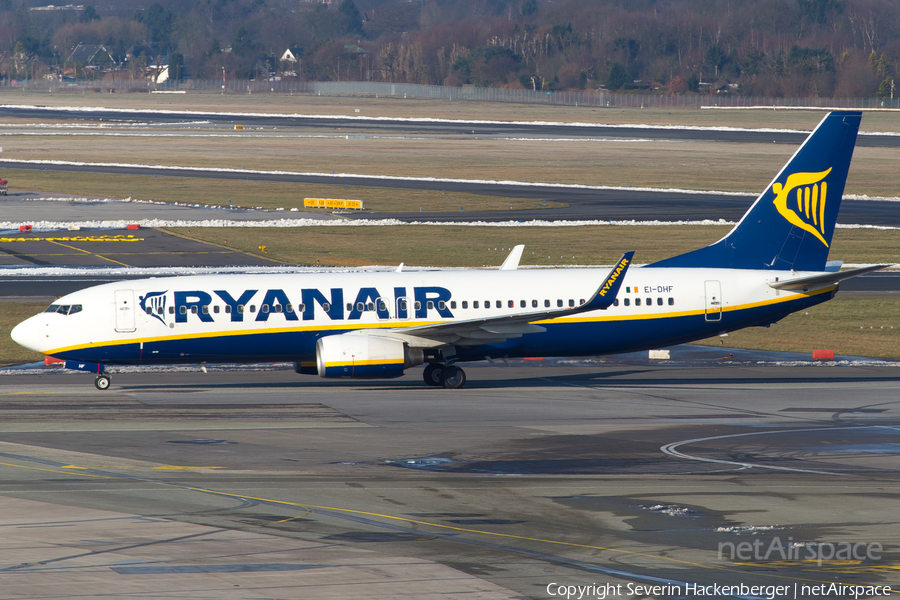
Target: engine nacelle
(364,356)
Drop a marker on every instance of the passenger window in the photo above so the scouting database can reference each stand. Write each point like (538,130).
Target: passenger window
(453,304)
(442,305)
(326,306)
(264,308)
(616,302)
(465,304)
(580,302)
(216,309)
(474,304)
(240,309)
(487,303)
(278,308)
(499,304)
(522,304)
(534,304)
(671,301)
(571,303)
(228,309)
(659,301)
(382,306)
(418,305)
(627,302)
(649,301)
(252,308)
(360,306)
(430,305)
(512,304)
(350,306)
(370,306)
(403,305)
(183,310)
(205,309)
(637,301)
(546,304)
(559,303)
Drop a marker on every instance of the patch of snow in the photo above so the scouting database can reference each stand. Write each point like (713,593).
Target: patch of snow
(747,529)
(670,510)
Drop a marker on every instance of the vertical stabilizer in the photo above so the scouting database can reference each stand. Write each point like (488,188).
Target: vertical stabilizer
(791,224)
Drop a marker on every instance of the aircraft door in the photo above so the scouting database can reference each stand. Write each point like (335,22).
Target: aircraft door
(125,311)
(403,308)
(713,300)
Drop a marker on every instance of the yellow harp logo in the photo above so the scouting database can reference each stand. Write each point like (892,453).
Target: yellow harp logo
(810,195)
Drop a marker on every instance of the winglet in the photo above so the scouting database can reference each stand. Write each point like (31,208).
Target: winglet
(512,261)
(606,294)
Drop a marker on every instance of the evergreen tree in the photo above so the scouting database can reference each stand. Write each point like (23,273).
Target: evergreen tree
(89,14)
(242,42)
(617,77)
(350,18)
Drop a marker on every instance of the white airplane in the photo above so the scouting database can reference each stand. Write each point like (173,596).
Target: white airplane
(377,324)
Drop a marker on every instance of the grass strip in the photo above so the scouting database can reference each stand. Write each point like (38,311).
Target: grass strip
(11,314)
(463,246)
(263,194)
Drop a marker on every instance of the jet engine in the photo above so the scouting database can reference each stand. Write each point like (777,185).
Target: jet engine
(364,356)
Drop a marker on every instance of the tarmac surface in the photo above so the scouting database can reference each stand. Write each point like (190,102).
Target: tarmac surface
(117,248)
(382,125)
(246,483)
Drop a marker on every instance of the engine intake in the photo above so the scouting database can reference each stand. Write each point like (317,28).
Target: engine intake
(364,356)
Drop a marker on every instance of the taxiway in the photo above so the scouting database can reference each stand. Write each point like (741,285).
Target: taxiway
(608,473)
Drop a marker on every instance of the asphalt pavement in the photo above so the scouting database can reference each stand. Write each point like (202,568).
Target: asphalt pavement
(479,128)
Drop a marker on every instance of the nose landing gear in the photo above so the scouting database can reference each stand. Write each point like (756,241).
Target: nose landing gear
(102,382)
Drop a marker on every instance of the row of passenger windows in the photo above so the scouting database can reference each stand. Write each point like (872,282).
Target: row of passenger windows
(637,302)
(370,306)
(276,308)
(64,309)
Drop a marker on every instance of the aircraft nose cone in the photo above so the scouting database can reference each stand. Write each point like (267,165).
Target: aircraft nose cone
(26,334)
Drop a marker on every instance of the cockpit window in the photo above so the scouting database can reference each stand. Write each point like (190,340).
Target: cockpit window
(64,309)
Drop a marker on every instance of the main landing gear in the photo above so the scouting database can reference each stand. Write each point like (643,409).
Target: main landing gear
(446,376)
(102,382)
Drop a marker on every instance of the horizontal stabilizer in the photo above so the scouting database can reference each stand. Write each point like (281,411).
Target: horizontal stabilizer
(803,283)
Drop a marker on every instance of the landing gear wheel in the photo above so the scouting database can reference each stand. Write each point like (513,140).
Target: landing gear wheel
(453,378)
(102,382)
(432,374)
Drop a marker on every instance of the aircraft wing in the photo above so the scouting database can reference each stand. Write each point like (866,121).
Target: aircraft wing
(491,330)
(802,283)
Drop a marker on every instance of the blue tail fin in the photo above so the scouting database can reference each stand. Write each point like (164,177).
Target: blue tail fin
(791,223)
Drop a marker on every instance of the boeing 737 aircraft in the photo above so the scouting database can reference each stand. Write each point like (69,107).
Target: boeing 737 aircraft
(376,325)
